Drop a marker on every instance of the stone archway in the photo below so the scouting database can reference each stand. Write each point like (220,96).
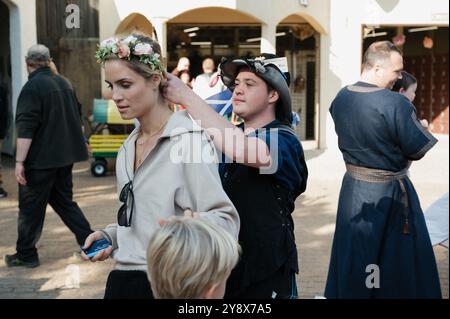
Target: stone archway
(299,40)
(136,22)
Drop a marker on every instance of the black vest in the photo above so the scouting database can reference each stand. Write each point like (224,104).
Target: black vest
(267,230)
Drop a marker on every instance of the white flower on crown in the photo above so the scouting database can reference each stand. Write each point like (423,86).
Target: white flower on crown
(143,48)
(108,43)
(129,39)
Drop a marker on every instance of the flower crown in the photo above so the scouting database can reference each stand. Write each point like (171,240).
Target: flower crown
(129,48)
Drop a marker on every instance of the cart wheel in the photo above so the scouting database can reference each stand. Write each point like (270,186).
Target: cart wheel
(99,168)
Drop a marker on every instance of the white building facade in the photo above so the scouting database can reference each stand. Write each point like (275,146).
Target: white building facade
(327,39)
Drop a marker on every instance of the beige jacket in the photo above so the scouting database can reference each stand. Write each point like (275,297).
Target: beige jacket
(181,172)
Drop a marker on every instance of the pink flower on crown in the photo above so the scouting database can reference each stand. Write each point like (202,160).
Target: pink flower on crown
(124,50)
(143,48)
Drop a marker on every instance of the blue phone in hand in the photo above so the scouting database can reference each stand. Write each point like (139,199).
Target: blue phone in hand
(96,247)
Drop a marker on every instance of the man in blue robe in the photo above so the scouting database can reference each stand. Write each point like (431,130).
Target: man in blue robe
(381,246)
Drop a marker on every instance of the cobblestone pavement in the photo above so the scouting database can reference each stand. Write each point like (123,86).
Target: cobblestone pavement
(63,275)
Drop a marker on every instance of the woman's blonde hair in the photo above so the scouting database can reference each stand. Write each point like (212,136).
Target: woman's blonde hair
(188,256)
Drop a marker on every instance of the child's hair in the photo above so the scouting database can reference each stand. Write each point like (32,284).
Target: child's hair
(188,256)
(405,82)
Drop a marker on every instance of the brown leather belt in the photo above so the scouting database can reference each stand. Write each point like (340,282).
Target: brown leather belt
(375,175)
(372,175)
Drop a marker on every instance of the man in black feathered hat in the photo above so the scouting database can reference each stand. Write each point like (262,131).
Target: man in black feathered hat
(263,171)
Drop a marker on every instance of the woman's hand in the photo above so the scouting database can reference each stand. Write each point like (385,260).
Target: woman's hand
(103,254)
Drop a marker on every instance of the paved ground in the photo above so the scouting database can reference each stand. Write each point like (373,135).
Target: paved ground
(63,275)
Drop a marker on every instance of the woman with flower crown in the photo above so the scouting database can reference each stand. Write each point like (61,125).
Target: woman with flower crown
(159,173)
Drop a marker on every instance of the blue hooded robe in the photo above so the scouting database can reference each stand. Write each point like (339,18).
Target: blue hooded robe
(381,246)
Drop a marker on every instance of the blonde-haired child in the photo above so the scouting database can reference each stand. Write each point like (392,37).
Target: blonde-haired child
(191,258)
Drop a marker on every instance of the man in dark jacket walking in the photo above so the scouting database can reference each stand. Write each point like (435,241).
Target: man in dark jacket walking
(49,142)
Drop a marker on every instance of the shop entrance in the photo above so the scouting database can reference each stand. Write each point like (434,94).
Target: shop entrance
(425,55)
(299,42)
(197,42)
